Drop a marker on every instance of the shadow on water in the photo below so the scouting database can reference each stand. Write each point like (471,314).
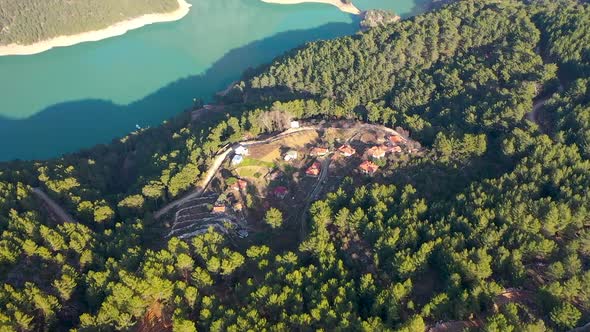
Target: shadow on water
(72,125)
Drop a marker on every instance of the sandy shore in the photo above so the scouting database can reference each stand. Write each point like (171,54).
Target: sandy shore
(347,8)
(96,35)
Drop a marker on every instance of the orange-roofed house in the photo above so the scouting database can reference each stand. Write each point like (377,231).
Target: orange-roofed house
(219,209)
(347,150)
(395,139)
(319,151)
(368,167)
(314,170)
(377,152)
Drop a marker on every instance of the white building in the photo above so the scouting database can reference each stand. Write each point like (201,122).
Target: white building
(291,155)
(237,159)
(241,150)
(295,124)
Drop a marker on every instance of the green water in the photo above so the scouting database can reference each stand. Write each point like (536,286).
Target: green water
(71,98)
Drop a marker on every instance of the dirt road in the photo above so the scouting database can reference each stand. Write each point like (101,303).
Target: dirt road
(533,115)
(221,155)
(584,328)
(225,151)
(315,193)
(282,135)
(53,206)
(456,326)
(217,162)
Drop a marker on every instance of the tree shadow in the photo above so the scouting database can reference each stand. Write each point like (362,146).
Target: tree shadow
(72,125)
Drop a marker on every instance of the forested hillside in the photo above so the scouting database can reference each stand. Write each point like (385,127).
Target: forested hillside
(29,21)
(489,228)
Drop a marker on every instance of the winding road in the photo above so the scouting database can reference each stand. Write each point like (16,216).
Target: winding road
(217,162)
(221,155)
(533,115)
(53,206)
(226,150)
(584,328)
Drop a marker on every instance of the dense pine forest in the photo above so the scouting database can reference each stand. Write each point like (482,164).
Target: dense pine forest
(488,229)
(30,21)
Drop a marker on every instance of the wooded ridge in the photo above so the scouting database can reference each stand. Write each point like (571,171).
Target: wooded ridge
(486,226)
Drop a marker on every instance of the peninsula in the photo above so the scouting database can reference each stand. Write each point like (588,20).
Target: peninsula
(343,6)
(25,45)
(388,181)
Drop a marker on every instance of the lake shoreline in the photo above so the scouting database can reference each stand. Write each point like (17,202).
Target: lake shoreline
(347,8)
(115,30)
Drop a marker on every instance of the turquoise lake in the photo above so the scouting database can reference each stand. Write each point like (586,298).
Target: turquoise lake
(75,97)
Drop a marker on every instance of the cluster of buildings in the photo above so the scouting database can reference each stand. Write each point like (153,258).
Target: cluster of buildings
(233,197)
(367,166)
(239,153)
(240,186)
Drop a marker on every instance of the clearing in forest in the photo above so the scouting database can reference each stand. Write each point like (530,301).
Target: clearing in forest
(272,151)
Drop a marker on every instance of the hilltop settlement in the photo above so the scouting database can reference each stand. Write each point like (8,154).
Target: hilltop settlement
(288,170)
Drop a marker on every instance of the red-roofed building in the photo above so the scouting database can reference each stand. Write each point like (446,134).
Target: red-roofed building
(347,150)
(368,167)
(280,192)
(395,139)
(219,209)
(377,152)
(319,151)
(314,169)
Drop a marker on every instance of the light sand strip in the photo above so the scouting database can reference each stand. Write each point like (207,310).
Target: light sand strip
(347,8)
(117,29)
